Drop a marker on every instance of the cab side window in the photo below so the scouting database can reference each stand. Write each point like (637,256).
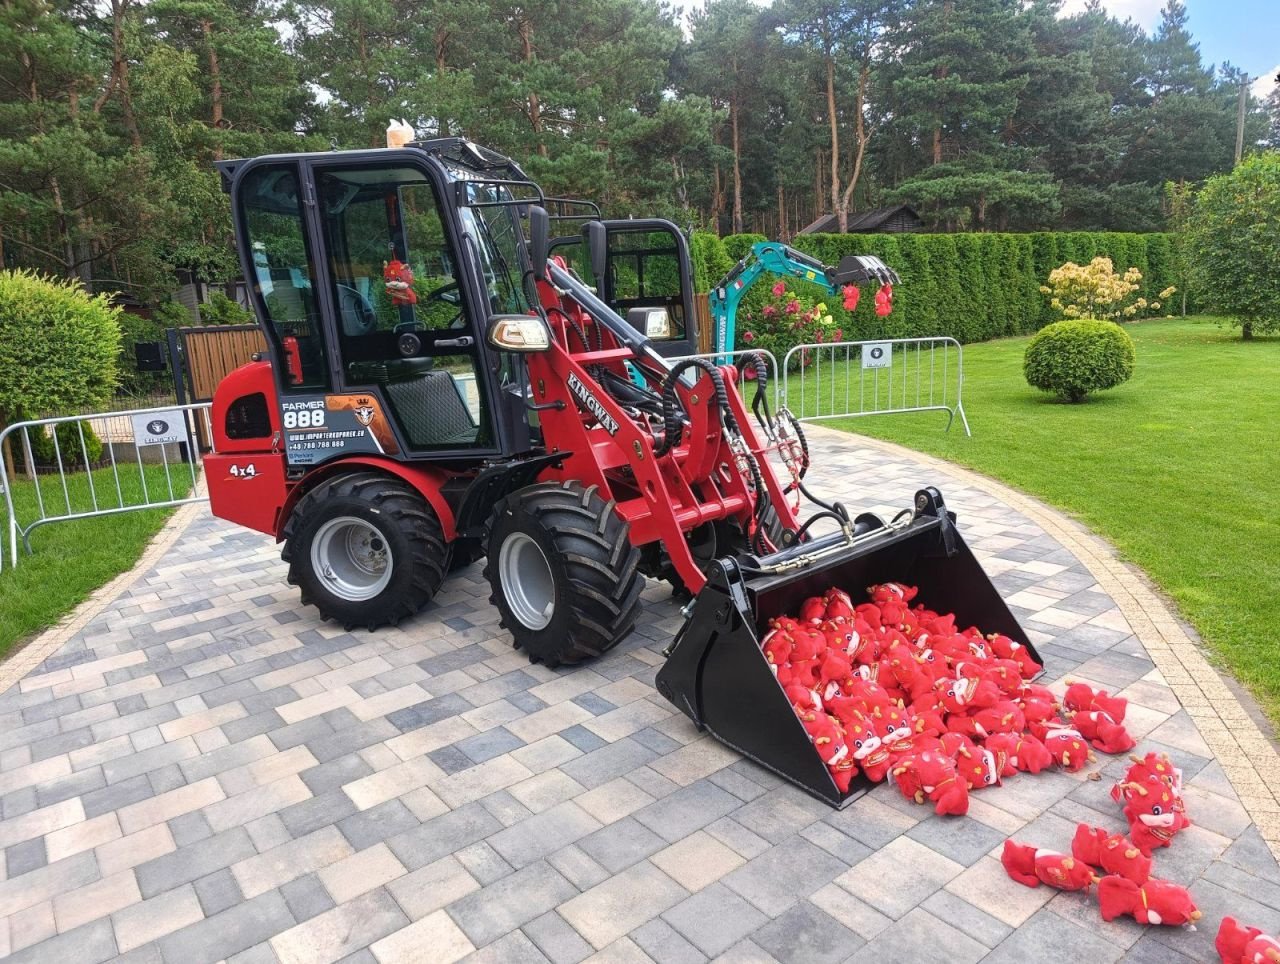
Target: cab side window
(282,274)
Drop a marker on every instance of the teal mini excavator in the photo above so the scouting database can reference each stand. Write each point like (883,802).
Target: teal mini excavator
(778,259)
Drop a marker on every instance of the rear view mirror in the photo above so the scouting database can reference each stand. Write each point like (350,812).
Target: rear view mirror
(539,239)
(597,248)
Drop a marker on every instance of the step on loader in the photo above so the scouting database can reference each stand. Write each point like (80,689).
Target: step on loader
(440,386)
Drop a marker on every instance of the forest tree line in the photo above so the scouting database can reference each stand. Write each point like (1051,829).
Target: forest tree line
(980,114)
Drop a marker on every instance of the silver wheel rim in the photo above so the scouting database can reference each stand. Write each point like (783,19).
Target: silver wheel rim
(527,583)
(352,558)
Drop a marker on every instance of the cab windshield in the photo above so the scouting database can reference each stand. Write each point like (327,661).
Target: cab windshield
(492,222)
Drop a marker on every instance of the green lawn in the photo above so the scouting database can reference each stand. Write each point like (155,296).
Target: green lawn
(72,559)
(1178,468)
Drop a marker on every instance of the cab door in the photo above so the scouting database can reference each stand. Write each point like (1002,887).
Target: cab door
(641,269)
(408,320)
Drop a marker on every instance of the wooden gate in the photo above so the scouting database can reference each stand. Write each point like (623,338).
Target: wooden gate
(202,357)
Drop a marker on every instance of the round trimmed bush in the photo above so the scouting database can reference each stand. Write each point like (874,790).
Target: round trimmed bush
(1073,358)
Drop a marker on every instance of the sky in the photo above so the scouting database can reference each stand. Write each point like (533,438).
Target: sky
(1244,32)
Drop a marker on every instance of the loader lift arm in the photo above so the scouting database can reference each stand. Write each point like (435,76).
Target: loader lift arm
(784,261)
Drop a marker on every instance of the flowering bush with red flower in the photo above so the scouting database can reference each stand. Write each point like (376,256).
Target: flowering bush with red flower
(786,319)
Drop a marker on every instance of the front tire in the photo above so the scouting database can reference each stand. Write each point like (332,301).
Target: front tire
(565,577)
(365,550)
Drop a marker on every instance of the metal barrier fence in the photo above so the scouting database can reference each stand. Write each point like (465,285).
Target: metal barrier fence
(143,458)
(851,378)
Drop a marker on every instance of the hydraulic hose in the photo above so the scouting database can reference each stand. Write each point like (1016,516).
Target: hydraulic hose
(672,423)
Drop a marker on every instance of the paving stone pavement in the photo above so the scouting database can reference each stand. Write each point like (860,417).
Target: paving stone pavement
(206,772)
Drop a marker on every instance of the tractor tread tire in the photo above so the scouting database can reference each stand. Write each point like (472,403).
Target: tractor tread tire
(596,568)
(420,564)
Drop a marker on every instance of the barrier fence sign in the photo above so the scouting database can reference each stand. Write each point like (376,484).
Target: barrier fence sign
(877,354)
(159,428)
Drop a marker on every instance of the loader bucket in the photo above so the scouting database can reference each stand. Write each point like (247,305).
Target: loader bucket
(717,675)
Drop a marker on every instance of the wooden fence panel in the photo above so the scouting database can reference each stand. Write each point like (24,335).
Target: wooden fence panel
(213,353)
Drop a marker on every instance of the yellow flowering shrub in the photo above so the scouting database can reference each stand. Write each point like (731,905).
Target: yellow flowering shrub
(1097,290)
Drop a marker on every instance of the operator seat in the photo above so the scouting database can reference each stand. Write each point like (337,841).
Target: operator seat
(426,402)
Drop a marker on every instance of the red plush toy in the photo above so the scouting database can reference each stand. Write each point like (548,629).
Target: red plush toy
(1006,648)
(868,751)
(1081,698)
(978,766)
(1245,945)
(1022,750)
(959,695)
(1112,852)
(1032,867)
(931,775)
(1153,766)
(884,300)
(1154,902)
(397,278)
(1102,731)
(1065,745)
(1155,813)
(850,295)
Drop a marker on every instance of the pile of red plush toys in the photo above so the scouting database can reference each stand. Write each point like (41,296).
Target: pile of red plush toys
(885,688)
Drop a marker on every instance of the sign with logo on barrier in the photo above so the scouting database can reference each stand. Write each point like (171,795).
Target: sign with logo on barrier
(159,428)
(877,354)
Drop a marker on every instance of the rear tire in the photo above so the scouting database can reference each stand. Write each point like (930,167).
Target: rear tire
(366,550)
(564,573)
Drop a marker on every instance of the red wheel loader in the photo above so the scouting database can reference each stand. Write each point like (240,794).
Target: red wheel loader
(438,387)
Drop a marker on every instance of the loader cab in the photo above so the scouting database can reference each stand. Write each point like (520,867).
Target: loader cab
(641,269)
(374,274)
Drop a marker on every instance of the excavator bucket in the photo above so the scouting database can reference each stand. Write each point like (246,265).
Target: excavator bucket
(717,674)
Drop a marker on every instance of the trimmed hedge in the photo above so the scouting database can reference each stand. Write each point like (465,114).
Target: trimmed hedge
(973,287)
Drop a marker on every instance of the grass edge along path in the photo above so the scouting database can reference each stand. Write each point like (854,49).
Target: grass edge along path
(72,560)
(1177,469)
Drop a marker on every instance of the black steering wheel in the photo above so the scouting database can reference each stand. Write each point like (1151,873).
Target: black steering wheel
(355,311)
(438,294)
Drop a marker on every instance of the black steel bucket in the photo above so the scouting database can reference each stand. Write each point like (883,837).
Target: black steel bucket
(717,675)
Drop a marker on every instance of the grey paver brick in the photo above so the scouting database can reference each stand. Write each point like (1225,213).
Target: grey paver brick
(117,795)
(579,869)
(194,861)
(581,737)
(963,915)
(332,775)
(919,936)
(377,823)
(687,809)
(515,948)
(557,940)
(217,892)
(189,828)
(621,903)
(306,897)
(320,811)
(87,944)
(486,914)
(22,858)
(807,935)
(238,928)
(483,863)
(433,839)
(664,944)
(784,874)
(541,834)
(714,919)
(47,882)
(1047,936)
(963,840)
(489,744)
(621,844)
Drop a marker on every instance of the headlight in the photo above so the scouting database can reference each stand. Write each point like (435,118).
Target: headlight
(519,333)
